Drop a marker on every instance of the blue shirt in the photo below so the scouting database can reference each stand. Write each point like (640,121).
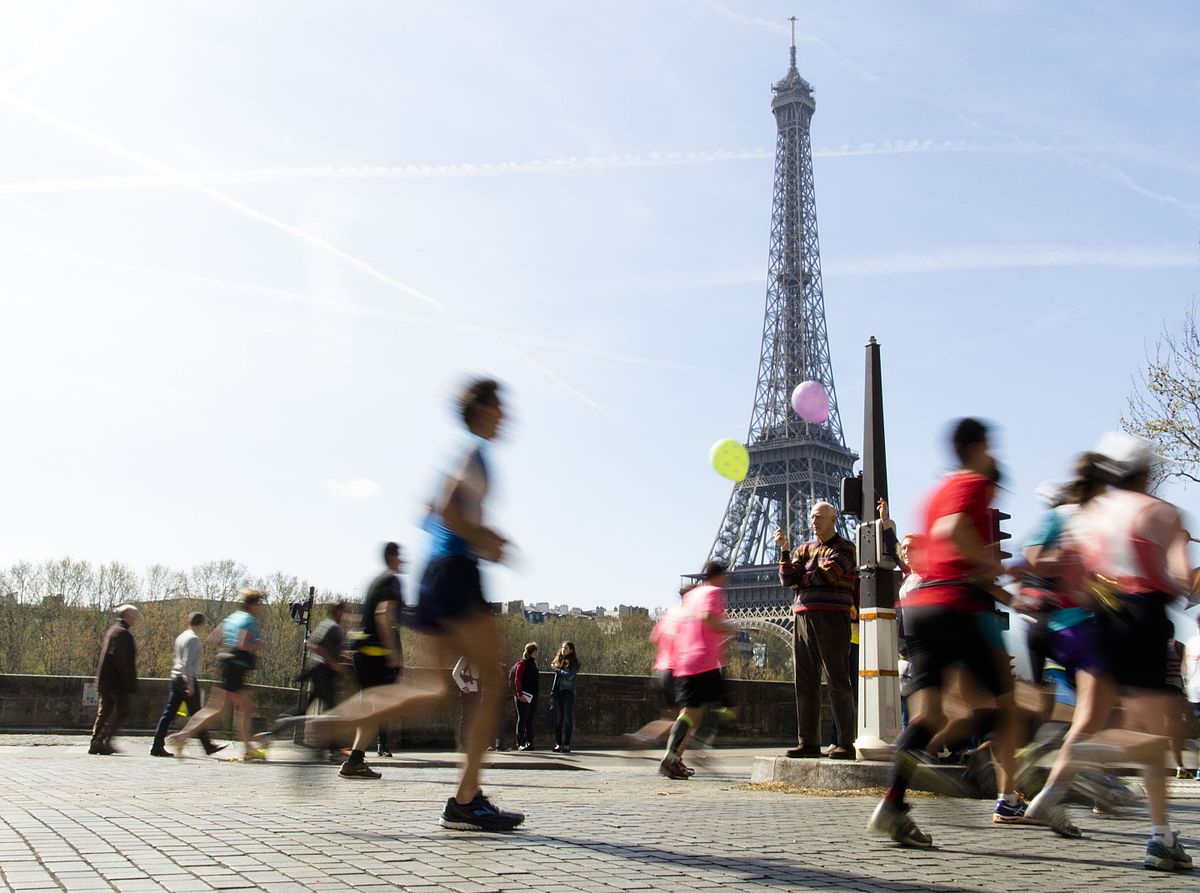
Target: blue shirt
(469,481)
(233,626)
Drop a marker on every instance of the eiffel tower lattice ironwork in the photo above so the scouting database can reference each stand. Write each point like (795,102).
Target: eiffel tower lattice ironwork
(793,464)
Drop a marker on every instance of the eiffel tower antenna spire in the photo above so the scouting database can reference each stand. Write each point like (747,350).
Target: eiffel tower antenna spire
(793,463)
(793,51)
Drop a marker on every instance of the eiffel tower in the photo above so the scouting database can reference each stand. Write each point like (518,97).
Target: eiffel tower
(793,464)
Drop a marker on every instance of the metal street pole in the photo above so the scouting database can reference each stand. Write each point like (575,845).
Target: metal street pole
(879,678)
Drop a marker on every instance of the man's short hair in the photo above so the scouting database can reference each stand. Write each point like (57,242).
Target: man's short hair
(714,569)
(195,619)
(478,392)
(121,609)
(968,433)
(252,596)
(390,551)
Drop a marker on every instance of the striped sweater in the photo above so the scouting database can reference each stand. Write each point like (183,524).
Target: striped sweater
(824,575)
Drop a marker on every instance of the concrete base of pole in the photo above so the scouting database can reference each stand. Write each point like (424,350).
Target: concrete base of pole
(872,747)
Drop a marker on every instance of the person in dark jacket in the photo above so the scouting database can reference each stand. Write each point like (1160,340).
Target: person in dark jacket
(116,680)
(525,693)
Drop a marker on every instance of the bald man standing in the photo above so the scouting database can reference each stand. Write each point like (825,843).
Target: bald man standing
(823,574)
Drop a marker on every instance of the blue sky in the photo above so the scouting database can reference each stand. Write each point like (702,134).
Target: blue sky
(247,251)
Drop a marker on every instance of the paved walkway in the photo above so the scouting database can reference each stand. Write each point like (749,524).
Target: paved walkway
(597,822)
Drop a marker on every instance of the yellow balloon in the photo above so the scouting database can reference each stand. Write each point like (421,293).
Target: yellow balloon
(730,459)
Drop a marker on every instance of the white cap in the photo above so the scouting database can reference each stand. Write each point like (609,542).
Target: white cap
(1123,454)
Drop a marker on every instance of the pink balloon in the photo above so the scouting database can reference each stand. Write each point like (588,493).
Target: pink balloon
(811,402)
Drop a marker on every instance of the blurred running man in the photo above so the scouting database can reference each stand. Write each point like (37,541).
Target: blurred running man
(950,618)
(377,655)
(451,609)
(699,655)
(241,640)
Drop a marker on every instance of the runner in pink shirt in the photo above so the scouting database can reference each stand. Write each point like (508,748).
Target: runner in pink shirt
(662,675)
(699,655)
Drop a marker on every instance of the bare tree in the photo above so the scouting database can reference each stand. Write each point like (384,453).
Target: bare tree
(1165,408)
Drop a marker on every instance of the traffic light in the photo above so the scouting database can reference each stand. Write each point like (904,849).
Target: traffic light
(998,535)
(852,496)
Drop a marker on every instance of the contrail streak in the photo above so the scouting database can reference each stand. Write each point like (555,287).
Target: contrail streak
(182,179)
(316,302)
(496,168)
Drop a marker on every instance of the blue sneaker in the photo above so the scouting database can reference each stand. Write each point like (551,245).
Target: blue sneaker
(478,815)
(1011,814)
(1160,857)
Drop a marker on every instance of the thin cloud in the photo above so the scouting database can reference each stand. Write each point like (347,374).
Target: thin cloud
(996,258)
(357,489)
(317,302)
(112,146)
(568,164)
(182,179)
(783,29)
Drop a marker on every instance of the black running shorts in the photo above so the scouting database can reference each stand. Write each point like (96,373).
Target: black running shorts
(450,590)
(233,675)
(703,688)
(1134,638)
(371,670)
(937,639)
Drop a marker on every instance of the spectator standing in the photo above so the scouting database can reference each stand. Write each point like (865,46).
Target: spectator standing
(466,677)
(116,680)
(562,694)
(525,694)
(185,687)
(822,574)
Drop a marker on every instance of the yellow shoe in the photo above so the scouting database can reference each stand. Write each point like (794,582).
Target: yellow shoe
(256,753)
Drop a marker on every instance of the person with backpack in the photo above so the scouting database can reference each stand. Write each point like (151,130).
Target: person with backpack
(562,694)
(524,677)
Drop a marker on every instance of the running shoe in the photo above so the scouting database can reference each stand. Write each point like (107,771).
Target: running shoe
(1054,817)
(161,752)
(384,753)
(672,767)
(1198,775)
(216,749)
(685,767)
(255,754)
(177,744)
(358,770)
(1160,857)
(1011,814)
(478,815)
(893,821)
(1180,772)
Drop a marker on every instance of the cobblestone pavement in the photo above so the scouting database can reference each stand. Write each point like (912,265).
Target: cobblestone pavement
(597,822)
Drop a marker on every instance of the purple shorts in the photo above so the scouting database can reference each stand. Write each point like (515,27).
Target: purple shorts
(1077,648)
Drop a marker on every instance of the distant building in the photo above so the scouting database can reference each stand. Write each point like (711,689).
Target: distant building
(632,611)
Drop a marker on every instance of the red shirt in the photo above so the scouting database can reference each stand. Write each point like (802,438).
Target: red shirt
(964,493)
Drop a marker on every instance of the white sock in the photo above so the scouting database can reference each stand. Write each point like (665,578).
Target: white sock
(1165,832)
(1011,799)
(1051,794)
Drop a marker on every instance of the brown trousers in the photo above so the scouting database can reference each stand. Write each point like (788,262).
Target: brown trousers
(110,715)
(822,639)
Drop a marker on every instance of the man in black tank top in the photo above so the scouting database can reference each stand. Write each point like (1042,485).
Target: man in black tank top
(378,659)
